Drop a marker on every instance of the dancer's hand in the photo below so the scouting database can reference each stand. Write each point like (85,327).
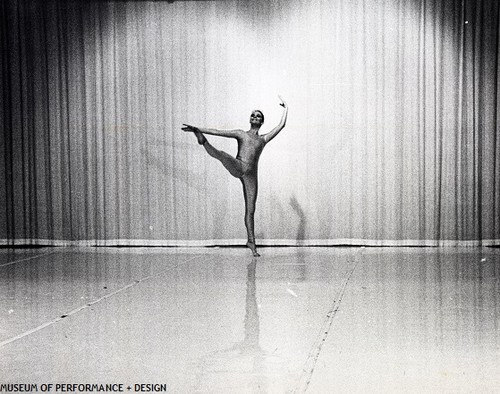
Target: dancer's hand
(190,128)
(283,103)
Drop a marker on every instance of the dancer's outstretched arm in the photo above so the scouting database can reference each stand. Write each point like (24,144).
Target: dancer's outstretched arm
(220,133)
(274,132)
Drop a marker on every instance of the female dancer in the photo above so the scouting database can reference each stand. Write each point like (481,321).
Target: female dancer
(244,166)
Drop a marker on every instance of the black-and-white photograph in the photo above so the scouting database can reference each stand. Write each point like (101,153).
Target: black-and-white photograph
(237,196)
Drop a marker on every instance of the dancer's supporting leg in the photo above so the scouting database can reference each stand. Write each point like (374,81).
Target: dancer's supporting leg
(249,182)
(233,165)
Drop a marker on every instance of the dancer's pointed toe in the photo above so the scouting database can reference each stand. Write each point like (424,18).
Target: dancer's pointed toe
(253,248)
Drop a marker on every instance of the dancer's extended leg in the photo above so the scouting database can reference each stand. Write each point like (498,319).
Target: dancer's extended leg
(233,165)
(249,182)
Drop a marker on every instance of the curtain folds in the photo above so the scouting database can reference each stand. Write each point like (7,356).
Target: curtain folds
(392,136)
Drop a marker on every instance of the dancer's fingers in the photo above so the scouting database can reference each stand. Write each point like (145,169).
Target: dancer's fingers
(283,103)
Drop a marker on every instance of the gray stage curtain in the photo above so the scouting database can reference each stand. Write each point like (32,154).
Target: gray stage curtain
(392,135)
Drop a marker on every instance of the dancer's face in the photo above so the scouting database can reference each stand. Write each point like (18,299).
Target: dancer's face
(256,118)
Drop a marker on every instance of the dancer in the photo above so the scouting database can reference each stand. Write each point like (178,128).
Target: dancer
(244,166)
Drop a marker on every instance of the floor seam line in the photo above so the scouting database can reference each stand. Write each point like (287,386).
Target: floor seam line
(86,306)
(28,258)
(314,353)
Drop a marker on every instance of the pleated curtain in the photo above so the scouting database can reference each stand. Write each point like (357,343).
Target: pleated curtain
(392,136)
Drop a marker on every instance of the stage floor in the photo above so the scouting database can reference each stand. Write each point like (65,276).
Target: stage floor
(216,320)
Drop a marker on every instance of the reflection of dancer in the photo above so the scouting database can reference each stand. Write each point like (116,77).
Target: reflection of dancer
(252,325)
(245,358)
(244,166)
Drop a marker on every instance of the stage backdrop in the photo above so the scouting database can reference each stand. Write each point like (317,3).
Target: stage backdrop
(392,135)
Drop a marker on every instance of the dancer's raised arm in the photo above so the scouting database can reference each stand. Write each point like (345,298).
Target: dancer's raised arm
(274,132)
(220,133)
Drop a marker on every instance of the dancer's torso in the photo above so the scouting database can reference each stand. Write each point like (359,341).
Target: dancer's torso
(250,147)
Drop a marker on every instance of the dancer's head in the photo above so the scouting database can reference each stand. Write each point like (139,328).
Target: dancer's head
(257,117)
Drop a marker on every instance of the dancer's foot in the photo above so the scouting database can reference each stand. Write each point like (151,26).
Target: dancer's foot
(201,138)
(253,248)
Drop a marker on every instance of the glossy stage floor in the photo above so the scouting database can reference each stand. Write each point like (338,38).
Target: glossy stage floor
(316,320)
